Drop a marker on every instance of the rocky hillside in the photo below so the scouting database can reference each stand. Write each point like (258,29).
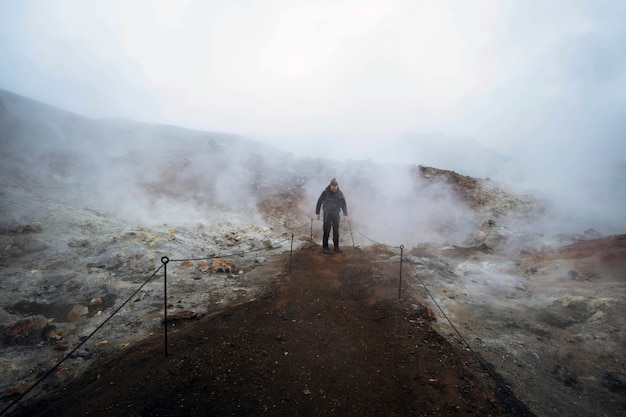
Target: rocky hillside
(152,174)
(88,208)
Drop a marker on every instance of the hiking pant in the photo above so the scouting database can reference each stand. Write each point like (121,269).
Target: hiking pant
(331,219)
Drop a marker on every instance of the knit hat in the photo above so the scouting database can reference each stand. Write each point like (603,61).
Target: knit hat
(334,181)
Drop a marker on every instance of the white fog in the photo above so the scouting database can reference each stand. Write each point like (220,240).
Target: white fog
(526,93)
(486,137)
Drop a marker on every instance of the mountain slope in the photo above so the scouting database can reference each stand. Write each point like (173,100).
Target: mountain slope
(90,207)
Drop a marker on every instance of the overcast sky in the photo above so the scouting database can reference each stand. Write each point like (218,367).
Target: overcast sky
(542,80)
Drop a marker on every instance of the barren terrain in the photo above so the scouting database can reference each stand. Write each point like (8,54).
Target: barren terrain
(491,316)
(331,338)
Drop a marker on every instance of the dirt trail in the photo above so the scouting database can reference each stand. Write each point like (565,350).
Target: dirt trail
(331,338)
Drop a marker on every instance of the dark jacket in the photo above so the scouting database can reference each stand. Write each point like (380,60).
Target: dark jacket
(331,202)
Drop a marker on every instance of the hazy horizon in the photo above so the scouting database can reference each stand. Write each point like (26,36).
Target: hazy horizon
(526,92)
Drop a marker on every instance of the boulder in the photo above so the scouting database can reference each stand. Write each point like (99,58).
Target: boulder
(224,265)
(27,331)
(179,313)
(78,312)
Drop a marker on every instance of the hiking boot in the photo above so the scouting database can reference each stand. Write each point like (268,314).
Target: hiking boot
(337,249)
(327,251)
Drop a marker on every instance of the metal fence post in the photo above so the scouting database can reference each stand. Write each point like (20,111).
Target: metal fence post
(290,254)
(164,261)
(400,282)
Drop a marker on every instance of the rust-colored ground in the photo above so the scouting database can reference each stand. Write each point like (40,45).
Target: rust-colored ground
(331,338)
(606,254)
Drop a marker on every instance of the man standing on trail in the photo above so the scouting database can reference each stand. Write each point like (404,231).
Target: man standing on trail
(332,200)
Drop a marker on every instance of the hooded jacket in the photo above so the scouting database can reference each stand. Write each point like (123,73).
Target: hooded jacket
(331,202)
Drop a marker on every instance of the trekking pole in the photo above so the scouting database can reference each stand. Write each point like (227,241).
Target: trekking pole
(351,235)
(311,239)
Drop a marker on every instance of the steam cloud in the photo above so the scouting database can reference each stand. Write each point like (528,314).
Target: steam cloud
(525,92)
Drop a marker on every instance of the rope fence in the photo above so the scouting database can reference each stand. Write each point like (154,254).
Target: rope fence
(498,380)
(164,261)
(54,368)
(163,267)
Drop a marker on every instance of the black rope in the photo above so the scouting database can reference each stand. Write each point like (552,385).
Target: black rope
(51,370)
(231,254)
(378,243)
(521,407)
(490,371)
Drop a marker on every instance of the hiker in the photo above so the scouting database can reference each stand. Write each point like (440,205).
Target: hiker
(331,200)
